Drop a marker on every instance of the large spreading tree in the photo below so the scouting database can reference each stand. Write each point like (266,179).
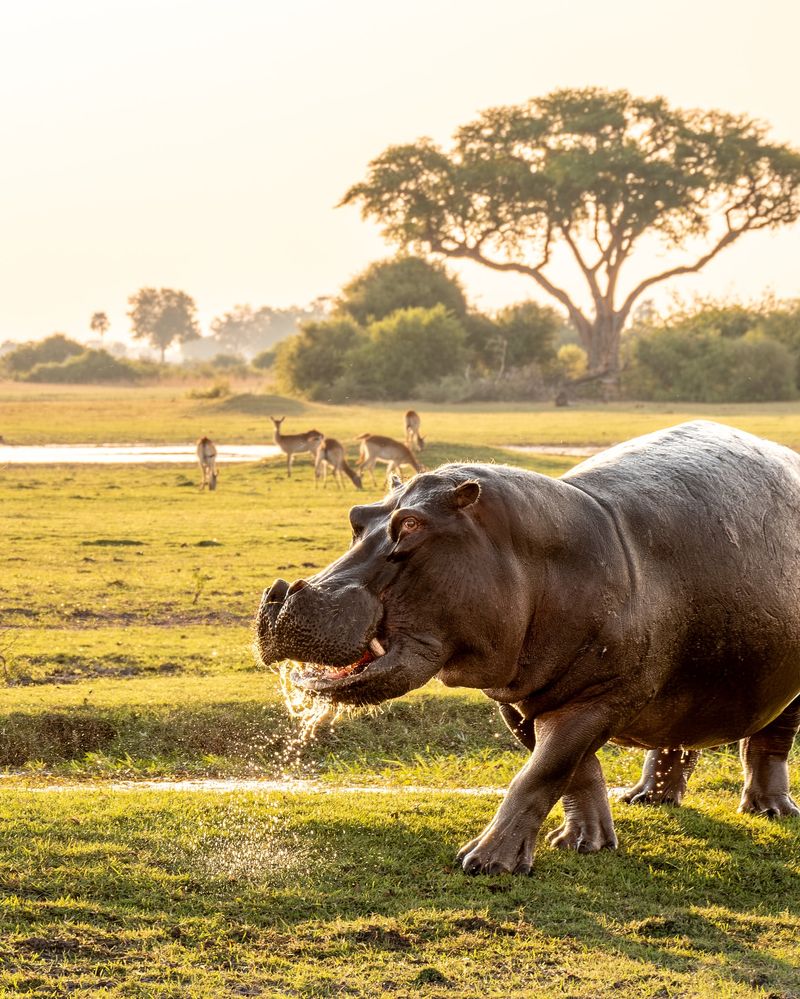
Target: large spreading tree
(597,173)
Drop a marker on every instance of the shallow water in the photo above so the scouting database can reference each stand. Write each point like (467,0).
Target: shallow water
(128,454)
(141,454)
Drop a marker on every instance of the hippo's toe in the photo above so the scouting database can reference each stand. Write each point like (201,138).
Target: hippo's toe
(773,806)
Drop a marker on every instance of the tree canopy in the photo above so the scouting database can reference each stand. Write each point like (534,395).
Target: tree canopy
(99,323)
(162,316)
(242,328)
(597,173)
(245,330)
(405,282)
(525,334)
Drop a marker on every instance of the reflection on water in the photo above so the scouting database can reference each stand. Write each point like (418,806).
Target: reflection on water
(128,454)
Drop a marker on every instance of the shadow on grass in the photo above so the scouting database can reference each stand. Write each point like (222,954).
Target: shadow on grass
(337,876)
(250,736)
(683,883)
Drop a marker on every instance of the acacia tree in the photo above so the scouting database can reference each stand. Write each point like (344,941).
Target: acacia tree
(99,324)
(163,315)
(596,172)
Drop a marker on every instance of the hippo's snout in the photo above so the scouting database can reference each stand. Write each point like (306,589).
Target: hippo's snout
(312,623)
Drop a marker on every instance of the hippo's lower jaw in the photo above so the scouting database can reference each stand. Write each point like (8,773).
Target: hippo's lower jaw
(378,675)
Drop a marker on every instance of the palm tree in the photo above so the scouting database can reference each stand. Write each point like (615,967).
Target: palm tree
(99,324)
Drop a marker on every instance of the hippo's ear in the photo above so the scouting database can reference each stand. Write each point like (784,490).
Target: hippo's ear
(466,494)
(395,482)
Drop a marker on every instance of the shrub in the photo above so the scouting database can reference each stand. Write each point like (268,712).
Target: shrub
(227,361)
(571,361)
(523,384)
(264,360)
(54,349)
(90,366)
(672,364)
(219,390)
(407,347)
(312,361)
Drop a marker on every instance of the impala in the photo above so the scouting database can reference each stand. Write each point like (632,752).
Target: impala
(292,444)
(385,449)
(207,457)
(330,452)
(414,440)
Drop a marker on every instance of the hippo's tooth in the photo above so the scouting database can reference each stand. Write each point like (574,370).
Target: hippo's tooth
(377,648)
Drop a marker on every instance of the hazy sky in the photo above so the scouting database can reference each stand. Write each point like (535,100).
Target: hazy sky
(203,145)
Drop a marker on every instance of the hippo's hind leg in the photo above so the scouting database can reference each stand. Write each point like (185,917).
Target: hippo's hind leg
(588,825)
(766,770)
(665,774)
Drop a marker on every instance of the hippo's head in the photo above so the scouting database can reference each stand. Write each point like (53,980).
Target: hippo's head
(423,590)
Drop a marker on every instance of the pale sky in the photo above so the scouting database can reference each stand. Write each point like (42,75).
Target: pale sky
(203,144)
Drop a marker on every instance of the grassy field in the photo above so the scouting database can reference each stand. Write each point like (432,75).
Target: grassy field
(126,603)
(36,414)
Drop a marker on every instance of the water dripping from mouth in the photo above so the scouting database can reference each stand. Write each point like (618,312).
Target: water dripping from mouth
(309,710)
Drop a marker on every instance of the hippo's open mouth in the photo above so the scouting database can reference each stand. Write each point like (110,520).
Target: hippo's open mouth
(318,678)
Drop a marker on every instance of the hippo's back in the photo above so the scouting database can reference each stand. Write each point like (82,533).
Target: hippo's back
(709,518)
(701,469)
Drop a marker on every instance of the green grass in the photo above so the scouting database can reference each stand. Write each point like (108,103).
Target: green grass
(195,894)
(36,414)
(126,606)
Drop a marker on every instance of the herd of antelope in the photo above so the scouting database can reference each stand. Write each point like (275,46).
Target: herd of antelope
(330,453)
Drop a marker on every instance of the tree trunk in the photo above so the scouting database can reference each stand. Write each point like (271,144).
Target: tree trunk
(604,343)
(503,351)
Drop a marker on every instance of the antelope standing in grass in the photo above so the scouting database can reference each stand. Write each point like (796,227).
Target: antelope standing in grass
(207,457)
(414,440)
(330,452)
(292,444)
(393,453)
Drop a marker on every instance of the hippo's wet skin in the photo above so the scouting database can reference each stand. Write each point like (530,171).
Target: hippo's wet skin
(651,596)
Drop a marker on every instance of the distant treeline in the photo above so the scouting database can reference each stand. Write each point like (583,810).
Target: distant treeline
(404,329)
(59,359)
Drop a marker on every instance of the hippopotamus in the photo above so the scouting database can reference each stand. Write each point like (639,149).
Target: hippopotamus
(649,597)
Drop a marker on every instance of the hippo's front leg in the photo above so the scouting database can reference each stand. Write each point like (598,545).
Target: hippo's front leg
(564,740)
(588,825)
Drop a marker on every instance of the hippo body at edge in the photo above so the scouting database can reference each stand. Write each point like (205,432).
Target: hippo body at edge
(650,596)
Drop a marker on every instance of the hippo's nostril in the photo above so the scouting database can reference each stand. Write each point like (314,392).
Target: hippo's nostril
(298,584)
(277,592)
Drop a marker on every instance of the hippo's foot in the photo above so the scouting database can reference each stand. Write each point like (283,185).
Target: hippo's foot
(645,794)
(498,852)
(588,826)
(773,806)
(766,770)
(584,837)
(665,776)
